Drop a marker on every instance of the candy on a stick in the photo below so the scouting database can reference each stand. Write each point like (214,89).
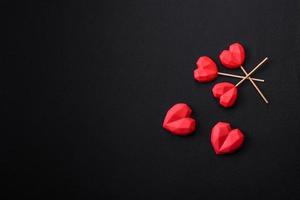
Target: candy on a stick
(226,93)
(207,71)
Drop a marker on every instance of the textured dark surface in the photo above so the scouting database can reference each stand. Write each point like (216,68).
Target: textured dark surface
(85,87)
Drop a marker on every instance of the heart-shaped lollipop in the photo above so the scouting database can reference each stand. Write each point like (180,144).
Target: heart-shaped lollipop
(225,140)
(234,57)
(178,121)
(226,93)
(207,71)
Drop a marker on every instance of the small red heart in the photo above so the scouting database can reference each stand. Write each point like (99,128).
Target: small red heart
(224,140)
(207,69)
(226,92)
(234,57)
(178,121)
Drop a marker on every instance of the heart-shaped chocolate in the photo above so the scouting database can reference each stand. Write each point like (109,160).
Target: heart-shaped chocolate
(226,93)
(225,140)
(178,121)
(234,57)
(206,69)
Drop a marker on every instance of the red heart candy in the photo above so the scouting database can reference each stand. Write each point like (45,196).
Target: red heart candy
(224,140)
(234,57)
(178,121)
(226,92)
(207,69)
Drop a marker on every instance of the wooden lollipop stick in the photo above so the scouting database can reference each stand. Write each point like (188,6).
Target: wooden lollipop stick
(252,71)
(255,86)
(241,77)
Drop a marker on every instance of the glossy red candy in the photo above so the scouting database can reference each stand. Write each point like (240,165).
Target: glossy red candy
(178,121)
(220,88)
(226,93)
(225,140)
(234,57)
(206,69)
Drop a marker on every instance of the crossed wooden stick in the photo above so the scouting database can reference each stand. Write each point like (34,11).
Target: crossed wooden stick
(247,76)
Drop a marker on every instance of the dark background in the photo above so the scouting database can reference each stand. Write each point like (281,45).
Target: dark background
(85,86)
